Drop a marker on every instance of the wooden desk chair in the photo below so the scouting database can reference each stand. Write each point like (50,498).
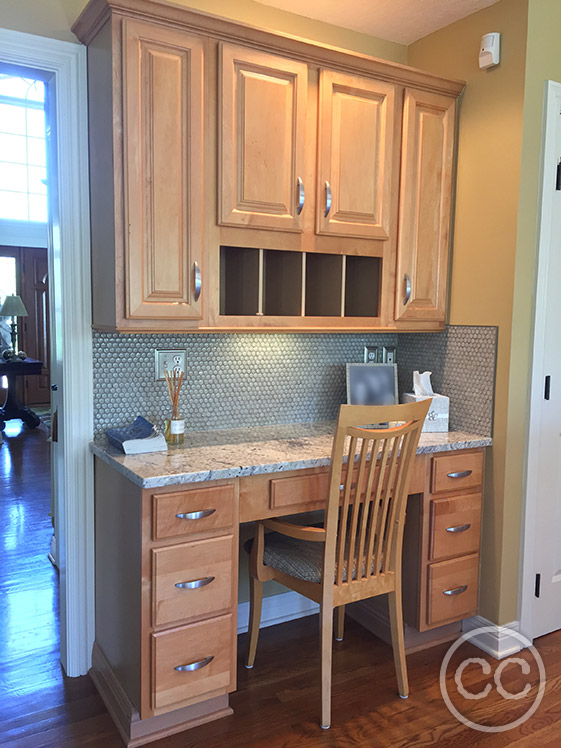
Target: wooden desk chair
(357,554)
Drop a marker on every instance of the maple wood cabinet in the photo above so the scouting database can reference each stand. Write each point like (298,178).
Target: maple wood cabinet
(263,139)
(241,179)
(355,154)
(425,203)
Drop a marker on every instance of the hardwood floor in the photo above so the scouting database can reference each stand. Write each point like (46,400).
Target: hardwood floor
(277,703)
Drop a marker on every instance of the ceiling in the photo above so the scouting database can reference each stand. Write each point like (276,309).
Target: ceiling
(402,21)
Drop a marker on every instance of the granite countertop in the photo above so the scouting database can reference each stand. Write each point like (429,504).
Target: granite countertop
(216,455)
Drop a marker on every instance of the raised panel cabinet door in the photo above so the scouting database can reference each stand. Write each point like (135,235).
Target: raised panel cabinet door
(356,145)
(163,151)
(425,205)
(263,140)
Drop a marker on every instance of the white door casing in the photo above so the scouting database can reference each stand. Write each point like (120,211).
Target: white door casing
(541,547)
(71,350)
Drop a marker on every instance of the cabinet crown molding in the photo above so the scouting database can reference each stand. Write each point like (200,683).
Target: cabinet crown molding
(97,12)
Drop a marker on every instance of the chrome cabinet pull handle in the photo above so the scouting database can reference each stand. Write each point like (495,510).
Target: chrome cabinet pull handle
(194,665)
(328,198)
(197,281)
(407,296)
(461,474)
(459,528)
(456,590)
(301,196)
(201,514)
(195,584)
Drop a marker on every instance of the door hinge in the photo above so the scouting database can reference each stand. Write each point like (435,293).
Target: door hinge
(547,388)
(538,586)
(558,177)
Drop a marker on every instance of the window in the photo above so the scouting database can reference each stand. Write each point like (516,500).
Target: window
(23,173)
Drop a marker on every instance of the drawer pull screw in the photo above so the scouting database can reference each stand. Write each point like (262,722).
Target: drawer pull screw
(456,590)
(461,474)
(459,528)
(201,514)
(194,665)
(195,584)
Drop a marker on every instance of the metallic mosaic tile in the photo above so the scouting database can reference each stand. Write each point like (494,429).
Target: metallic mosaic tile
(243,380)
(463,361)
(231,381)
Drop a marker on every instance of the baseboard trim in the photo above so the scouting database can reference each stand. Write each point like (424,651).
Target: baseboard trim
(288,606)
(138,732)
(496,641)
(372,614)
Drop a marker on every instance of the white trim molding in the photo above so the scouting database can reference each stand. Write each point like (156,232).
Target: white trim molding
(64,64)
(288,606)
(496,640)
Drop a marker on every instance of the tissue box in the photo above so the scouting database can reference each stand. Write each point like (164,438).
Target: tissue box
(437,417)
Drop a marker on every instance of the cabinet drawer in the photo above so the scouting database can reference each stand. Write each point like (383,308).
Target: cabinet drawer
(299,489)
(207,648)
(188,512)
(455,526)
(457,471)
(192,580)
(452,590)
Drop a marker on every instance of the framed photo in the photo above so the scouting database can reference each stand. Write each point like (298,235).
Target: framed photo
(372,384)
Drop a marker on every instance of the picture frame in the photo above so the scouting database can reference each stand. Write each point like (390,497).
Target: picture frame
(372,384)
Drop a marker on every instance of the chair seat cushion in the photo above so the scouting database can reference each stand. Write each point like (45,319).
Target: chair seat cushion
(302,559)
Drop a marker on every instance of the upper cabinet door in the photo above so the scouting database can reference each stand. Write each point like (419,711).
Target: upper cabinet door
(355,150)
(263,138)
(424,206)
(163,151)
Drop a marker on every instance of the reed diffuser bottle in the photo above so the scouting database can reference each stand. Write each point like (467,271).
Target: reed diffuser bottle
(174,426)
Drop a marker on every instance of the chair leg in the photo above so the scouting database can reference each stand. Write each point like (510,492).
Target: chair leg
(340,623)
(398,644)
(326,632)
(255,605)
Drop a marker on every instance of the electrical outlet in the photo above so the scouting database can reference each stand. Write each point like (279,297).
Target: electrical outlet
(168,361)
(370,354)
(388,355)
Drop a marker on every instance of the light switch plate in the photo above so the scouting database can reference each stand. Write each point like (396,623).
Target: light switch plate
(388,355)
(169,360)
(370,354)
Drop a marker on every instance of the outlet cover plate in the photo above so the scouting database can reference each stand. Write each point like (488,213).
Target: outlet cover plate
(169,360)
(370,354)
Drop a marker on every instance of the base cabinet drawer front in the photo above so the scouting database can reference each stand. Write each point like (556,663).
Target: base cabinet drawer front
(194,511)
(456,472)
(299,489)
(455,526)
(452,590)
(191,662)
(192,580)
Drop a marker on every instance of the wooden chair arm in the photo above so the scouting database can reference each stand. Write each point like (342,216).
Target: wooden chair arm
(300,532)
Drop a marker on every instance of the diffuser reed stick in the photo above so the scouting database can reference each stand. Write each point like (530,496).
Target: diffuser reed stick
(174,382)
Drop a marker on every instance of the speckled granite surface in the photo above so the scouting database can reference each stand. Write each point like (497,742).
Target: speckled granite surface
(216,455)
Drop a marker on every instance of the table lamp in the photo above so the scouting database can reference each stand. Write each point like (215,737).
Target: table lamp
(13,307)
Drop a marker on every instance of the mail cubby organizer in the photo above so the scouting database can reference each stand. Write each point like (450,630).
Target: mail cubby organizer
(363,277)
(240,280)
(280,283)
(324,285)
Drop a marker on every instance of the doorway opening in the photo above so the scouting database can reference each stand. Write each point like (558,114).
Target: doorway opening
(29,584)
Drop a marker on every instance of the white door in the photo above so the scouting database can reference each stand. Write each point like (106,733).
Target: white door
(545,437)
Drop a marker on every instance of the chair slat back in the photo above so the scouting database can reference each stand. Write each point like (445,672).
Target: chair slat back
(370,472)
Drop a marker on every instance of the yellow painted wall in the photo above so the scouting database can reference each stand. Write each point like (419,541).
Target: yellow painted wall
(484,247)
(54,18)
